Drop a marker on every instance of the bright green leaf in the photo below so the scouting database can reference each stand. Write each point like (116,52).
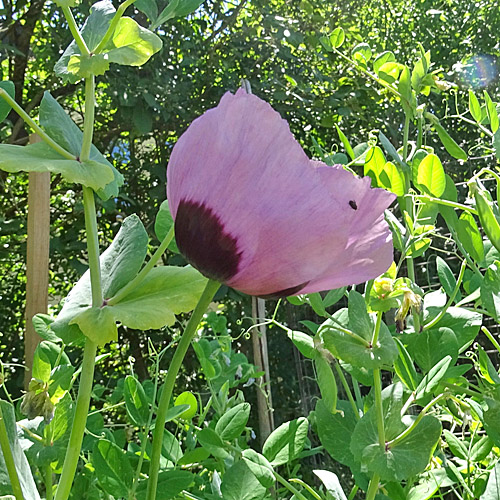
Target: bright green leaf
(41,158)
(240,483)
(286,442)
(112,468)
(232,423)
(491,110)
(97,324)
(260,467)
(131,44)
(164,292)
(431,177)
(136,401)
(187,398)
(449,143)
(176,8)
(119,264)
(474,107)
(470,236)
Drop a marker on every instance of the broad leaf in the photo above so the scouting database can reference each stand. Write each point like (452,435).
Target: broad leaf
(40,157)
(240,483)
(131,44)
(176,8)
(332,484)
(286,442)
(260,467)
(170,484)
(470,236)
(165,292)
(490,290)
(430,177)
(401,460)
(93,31)
(136,401)
(492,491)
(335,430)
(352,350)
(60,127)
(233,422)
(113,470)
(97,324)
(119,265)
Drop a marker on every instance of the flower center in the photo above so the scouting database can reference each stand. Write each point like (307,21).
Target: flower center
(204,243)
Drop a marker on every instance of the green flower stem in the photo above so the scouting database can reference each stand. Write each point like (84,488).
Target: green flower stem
(9,459)
(438,318)
(79,421)
(144,435)
(447,203)
(492,339)
(168,387)
(47,477)
(28,120)
(306,487)
(421,415)
(347,390)
(373,487)
(406,132)
(377,386)
(411,275)
(131,285)
(89,353)
(376,331)
(420,135)
(88,124)
(112,26)
(75,31)
(289,487)
(354,490)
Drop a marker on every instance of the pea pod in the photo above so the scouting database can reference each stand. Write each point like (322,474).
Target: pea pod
(486,216)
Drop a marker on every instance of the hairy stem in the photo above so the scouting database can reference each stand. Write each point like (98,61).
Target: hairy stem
(168,386)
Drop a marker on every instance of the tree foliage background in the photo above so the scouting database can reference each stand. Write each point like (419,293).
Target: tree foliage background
(142,111)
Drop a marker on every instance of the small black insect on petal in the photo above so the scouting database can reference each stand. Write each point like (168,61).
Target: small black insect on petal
(353,205)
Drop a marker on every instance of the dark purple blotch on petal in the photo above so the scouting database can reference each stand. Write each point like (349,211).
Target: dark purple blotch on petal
(203,242)
(293,290)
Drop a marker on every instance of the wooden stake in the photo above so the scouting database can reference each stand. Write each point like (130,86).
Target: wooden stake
(261,361)
(37,257)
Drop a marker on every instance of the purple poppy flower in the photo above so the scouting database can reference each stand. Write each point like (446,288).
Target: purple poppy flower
(252,211)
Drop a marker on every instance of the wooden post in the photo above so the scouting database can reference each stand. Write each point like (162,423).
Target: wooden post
(261,361)
(37,258)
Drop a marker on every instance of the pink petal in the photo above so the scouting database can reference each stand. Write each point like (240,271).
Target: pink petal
(251,210)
